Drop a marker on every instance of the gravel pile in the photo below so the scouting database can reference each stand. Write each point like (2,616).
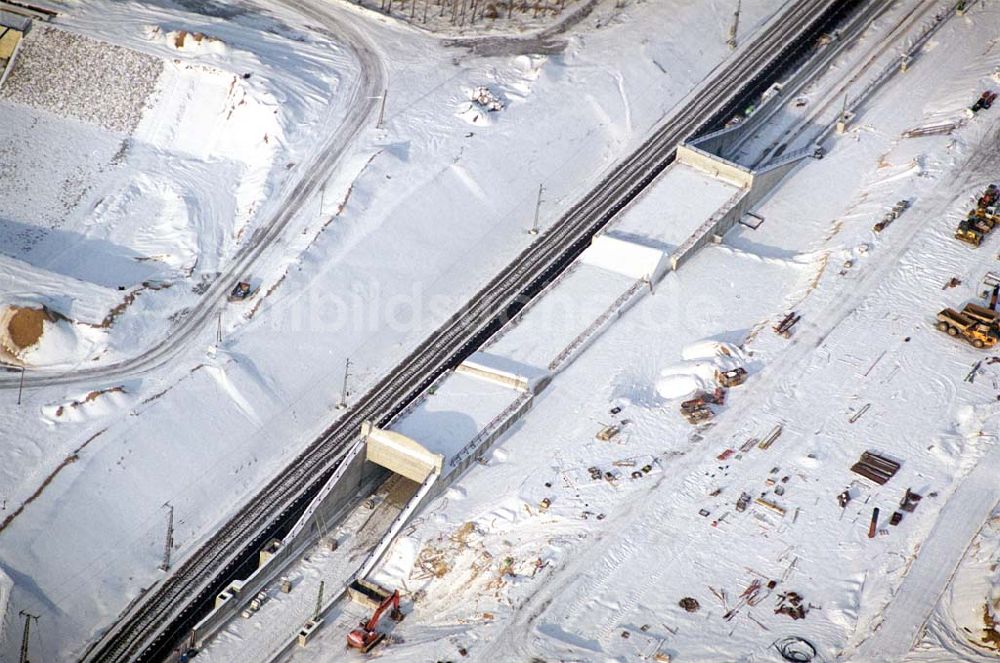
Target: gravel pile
(83,78)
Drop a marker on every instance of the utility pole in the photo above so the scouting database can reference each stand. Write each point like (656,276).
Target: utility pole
(165,566)
(343,392)
(538,206)
(20,386)
(381,110)
(27,632)
(319,600)
(842,121)
(735,26)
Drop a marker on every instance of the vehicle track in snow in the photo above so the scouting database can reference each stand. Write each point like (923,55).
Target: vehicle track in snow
(361,99)
(592,569)
(140,632)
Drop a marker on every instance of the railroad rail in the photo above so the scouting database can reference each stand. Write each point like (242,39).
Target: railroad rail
(155,620)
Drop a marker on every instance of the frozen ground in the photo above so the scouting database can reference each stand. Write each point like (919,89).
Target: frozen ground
(416,218)
(141,171)
(599,574)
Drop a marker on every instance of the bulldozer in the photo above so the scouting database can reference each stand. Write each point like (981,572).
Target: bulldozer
(969,232)
(978,325)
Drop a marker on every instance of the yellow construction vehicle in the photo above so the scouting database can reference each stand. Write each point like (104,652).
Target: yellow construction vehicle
(978,325)
(970,232)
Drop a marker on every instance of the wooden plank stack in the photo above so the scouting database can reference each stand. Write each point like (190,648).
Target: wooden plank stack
(875,467)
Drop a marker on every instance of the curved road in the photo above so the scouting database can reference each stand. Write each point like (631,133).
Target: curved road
(361,100)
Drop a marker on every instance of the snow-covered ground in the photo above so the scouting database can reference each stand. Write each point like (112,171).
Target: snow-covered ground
(599,574)
(419,214)
(143,210)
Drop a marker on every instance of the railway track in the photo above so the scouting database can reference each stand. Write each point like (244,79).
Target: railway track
(155,621)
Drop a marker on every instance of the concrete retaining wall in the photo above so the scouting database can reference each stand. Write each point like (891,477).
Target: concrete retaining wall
(397,452)
(486,437)
(727,171)
(504,371)
(353,478)
(759,184)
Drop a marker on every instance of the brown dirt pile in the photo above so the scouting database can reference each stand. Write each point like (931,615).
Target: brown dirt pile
(24,328)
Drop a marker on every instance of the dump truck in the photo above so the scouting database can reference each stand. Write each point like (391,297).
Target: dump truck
(977,324)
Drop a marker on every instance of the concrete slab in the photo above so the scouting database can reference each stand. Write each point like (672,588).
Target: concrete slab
(462,406)
(673,207)
(561,315)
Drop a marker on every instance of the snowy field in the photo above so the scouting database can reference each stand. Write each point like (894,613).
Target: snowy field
(416,216)
(599,575)
(141,173)
(401,229)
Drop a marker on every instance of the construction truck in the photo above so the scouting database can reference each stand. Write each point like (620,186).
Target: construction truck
(984,101)
(242,290)
(989,197)
(978,325)
(366,636)
(982,219)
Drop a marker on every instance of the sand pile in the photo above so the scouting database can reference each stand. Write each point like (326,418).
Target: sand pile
(21,328)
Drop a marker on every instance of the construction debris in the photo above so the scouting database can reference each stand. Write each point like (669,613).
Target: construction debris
(784,328)
(791,604)
(931,130)
(770,505)
(698,415)
(875,467)
(608,432)
(485,99)
(255,604)
(733,378)
(873,525)
(910,500)
(689,604)
(771,437)
(696,409)
(857,415)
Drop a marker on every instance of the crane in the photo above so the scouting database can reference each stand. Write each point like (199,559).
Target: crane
(366,637)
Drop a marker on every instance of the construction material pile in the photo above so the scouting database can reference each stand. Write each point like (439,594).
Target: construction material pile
(21,328)
(981,219)
(875,467)
(89,80)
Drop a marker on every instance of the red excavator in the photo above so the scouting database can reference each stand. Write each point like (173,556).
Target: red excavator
(366,637)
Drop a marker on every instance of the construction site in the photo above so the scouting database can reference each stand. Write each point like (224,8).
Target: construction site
(334,333)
